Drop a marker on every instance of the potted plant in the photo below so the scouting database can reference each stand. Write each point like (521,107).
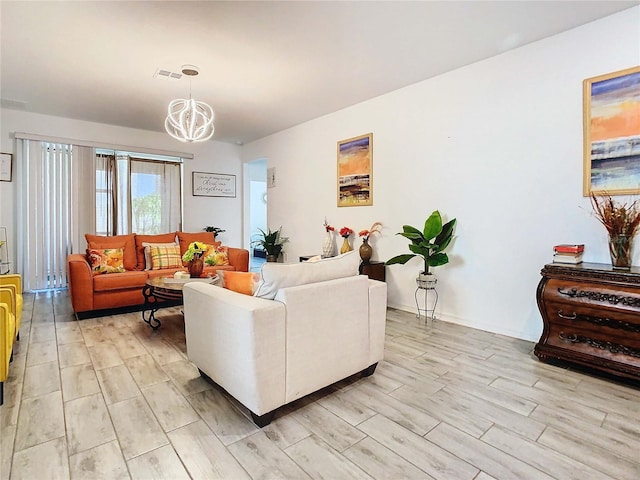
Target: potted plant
(271,242)
(215,230)
(428,244)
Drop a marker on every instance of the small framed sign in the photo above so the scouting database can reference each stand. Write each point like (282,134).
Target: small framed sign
(5,167)
(214,185)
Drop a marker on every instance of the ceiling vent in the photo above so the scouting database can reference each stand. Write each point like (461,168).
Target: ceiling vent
(166,75)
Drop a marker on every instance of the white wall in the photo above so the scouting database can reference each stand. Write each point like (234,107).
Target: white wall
(497,144)
(210,156)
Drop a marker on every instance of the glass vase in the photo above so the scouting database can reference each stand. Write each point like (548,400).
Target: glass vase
(620,251)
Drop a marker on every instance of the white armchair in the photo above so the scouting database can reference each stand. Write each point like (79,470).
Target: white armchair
(267,353)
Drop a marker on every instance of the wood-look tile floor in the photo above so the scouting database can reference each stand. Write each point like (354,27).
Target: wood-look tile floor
(110,398)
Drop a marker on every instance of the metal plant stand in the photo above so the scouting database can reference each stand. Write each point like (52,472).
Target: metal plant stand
(428,286)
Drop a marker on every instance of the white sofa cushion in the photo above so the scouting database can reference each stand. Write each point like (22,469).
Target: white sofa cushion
(275,276)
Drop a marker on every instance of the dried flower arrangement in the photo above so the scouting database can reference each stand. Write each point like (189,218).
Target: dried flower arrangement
(617,217)
(375,228)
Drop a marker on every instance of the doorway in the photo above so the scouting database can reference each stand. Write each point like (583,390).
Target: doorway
(255,211)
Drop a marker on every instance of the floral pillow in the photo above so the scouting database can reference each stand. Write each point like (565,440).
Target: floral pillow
(106,260)
(217,256)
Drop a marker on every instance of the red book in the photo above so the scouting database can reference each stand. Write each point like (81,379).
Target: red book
(569,248)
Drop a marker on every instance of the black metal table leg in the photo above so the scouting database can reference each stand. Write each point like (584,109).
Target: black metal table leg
(149,311)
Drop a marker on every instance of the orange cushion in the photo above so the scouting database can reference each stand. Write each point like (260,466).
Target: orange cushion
(186,238)
(107,260)
(140,239)
(241,282)
(116,241)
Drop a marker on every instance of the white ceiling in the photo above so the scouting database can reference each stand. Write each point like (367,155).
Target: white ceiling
(264,66)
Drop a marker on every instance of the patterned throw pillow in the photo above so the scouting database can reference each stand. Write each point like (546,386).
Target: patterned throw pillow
(241,282)
(147,252)
(218,256)
(106,260)
(167,256)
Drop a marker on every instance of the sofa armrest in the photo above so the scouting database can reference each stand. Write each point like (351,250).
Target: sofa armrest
(239,258)
(80,281)
(7,336)
(377,319)
(12,279)
(239,342)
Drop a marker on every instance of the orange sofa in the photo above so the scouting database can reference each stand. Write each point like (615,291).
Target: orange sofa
(92,294)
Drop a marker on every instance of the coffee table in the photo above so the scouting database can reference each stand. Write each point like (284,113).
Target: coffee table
(167,291)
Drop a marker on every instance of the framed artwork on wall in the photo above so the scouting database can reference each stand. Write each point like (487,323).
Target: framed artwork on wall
(5,167)
(355,171)
(213,185)
(612,133)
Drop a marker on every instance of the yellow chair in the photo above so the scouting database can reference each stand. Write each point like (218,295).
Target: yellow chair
(7,335)
(14,282)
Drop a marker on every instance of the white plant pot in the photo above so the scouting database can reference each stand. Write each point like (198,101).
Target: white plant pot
(427,281)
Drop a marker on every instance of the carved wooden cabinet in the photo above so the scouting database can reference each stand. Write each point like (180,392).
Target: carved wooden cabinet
(591,316)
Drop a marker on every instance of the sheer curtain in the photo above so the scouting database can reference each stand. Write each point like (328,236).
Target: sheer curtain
(55,184)
(106,223)
(156,198)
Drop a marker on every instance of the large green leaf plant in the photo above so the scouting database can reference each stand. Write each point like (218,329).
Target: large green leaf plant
(428,243)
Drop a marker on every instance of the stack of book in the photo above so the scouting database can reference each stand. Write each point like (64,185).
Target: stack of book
(568,253)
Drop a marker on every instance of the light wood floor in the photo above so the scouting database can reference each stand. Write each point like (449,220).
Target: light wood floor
(109,398)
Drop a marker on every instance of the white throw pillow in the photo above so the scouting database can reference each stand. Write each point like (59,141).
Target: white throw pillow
(147,252)
(275,276)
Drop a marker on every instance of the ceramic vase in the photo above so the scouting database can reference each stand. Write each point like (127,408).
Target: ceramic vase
(620,251)
(365,251)
(327,246)
(346,246)
(195,267)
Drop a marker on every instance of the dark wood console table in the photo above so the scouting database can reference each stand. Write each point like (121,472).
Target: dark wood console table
(375,270)
(591,316)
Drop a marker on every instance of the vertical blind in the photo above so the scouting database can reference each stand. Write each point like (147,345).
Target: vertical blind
(51,221)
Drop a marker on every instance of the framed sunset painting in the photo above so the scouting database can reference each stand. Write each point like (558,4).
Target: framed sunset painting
(355,171)
(612,133)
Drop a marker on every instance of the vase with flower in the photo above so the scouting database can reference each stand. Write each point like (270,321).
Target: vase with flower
(366,251)
(622,221)
(328,247)
(193,255)
(345,233)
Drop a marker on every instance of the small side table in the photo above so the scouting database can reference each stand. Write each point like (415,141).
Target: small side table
(427,287)
(374,270)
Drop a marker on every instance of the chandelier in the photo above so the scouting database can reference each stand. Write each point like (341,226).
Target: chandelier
(189,120)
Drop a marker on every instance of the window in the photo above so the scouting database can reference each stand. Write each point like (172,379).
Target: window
(137,193)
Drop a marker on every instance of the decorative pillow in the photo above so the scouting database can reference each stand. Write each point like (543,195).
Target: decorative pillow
(107,260)
(218,256)
(147,252)
(241,282)
(127,242)
(275,276)
(160,238)
(165,257)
